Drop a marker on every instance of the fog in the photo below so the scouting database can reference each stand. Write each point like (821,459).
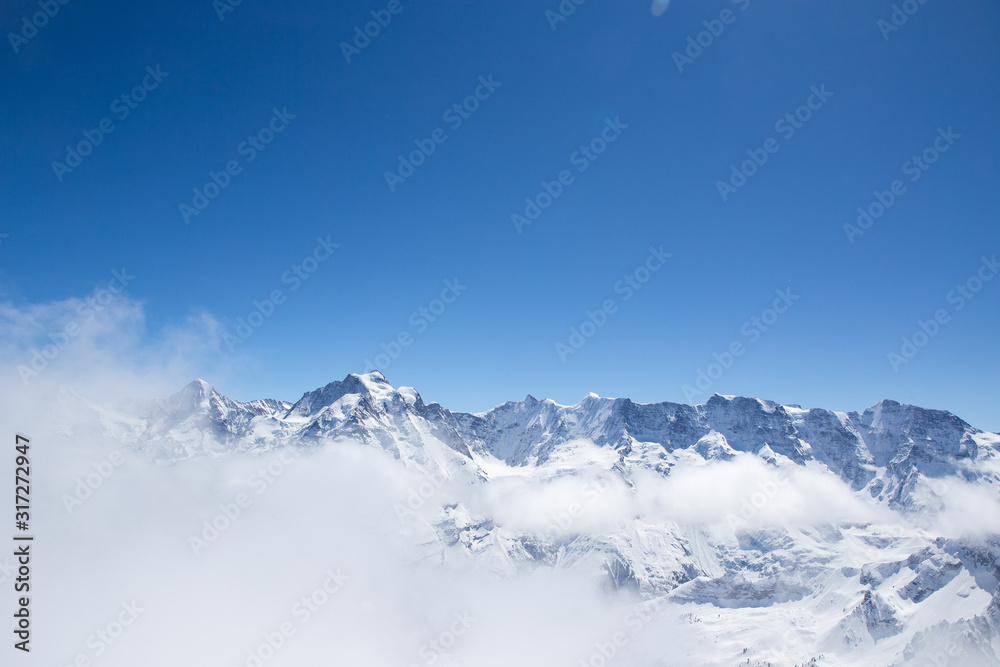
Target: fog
(304,557)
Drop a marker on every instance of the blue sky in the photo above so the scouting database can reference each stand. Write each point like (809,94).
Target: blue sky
(343,124)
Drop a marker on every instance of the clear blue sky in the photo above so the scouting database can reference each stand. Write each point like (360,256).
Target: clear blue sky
(324,175)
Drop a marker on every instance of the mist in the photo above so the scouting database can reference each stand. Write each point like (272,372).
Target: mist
(340,552)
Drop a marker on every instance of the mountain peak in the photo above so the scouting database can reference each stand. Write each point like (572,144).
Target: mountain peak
(885,404)
(194,395)
(372,384)
(198,386)
(373,377)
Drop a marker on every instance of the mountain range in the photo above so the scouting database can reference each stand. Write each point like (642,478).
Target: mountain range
(893,587)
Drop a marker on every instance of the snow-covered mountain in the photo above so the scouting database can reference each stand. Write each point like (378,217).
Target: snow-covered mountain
(845,524)
(885,451)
